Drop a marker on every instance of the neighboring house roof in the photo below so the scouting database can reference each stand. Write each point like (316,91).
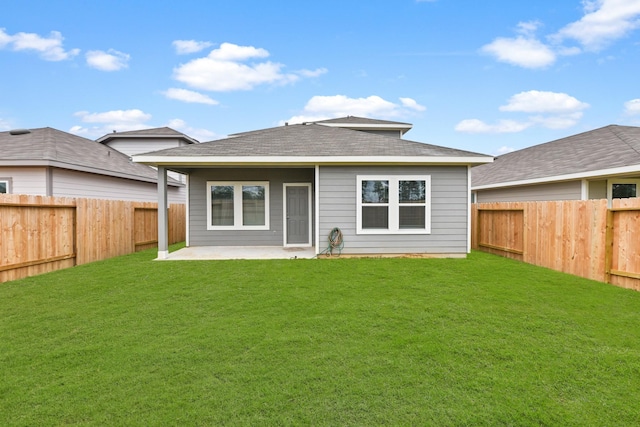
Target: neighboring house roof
(605,151)
(156,133)
(362,123)
(52,147)
(311,144)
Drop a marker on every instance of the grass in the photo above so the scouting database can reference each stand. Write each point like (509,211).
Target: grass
(481,341)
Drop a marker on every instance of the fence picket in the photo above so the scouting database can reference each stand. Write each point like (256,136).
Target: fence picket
(39,234)
(584,238)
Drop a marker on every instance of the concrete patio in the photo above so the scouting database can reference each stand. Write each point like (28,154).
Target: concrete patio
(240,252)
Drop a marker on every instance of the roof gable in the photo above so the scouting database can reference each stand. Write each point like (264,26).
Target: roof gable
(608,147)
(161,132)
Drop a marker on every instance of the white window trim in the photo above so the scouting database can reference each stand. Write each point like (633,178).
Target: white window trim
(610,183)
(394,204)
(237,205)
(7,182)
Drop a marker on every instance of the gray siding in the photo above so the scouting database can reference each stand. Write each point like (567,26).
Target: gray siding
(68,183)
(26,180)
(598,189)
(570,190)
(198,233)
(449,211)
(133,146)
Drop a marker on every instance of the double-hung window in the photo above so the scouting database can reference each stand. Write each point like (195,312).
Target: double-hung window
(393,204)
(237,205)
(4,186)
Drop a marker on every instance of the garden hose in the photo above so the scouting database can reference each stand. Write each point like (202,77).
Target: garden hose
(336,242)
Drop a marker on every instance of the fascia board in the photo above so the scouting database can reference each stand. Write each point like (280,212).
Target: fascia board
(313,160)
(601,173)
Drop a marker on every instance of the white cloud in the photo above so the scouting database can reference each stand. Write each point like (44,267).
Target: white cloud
(522,51)
(224,69)
(535,101)
(412,104)
(49,48)
(190,96)
(632,107)
(233,52)
(551,110)
(184,47)
(503,126)
(604,22)
(112,60)
(326,107)
(202,135)
(108,121)
(121,117)
(100,124)
(313,73)
(5,38)
(528,28)
(561,121)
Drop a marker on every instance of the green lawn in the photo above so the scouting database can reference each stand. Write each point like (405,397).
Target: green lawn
(480,341)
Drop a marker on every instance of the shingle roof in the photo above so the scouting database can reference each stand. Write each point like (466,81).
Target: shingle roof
(361,120)
(48,146)
(608,147)
(312,140)
(161,132)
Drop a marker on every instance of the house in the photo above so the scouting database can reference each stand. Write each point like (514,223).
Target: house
(50,162)
(146,140)
(600,164)
(290,186)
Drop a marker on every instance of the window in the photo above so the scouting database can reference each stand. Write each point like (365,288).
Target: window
(393,204)
(237,205)
(622,188)
(4,186)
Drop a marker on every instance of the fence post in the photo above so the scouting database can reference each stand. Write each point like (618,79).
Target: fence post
(608,247)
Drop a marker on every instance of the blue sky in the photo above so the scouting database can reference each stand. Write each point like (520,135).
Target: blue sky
(489,76)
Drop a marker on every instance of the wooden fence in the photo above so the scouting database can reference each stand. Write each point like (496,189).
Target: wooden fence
(584,238)
(40,234)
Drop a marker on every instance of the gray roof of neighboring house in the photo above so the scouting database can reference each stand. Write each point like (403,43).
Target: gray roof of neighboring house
(362,123)
(361,120)
(608,147)
(52,147)
(310,140)
(162,132)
